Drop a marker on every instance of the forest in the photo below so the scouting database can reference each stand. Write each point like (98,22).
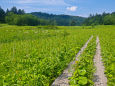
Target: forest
(101,19)
(19,17)
(61,20)
(16,16)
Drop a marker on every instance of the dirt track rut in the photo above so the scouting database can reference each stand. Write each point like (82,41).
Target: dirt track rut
(99,76)
(62,80)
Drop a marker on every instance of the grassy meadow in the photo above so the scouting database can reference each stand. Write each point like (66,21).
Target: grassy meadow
(36,55)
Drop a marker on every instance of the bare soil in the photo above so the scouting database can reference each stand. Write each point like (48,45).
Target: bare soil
(99,76)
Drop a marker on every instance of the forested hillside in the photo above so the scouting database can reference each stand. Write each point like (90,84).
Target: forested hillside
(19,17)
(101,19)
(16,16)
(61,20)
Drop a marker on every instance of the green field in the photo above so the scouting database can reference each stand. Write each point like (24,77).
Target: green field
(37,55)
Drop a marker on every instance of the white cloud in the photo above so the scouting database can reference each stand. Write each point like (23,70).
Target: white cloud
(72,8)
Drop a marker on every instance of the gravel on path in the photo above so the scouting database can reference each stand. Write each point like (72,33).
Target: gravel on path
(99,76)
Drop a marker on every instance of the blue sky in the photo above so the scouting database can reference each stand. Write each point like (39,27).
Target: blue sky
(69,7)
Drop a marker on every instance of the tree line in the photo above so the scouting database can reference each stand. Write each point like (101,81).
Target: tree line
(13,10)
(100,19)
(16,16)
(61,20)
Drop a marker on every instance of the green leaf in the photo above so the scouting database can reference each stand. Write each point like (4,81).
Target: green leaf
(82,72)
(73,82)
(82,80)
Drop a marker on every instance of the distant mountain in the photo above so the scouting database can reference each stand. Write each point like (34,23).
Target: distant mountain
(61,20)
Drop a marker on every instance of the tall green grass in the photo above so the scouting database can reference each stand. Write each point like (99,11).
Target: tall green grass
(36,56)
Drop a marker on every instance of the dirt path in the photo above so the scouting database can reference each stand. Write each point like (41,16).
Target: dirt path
(62,80)
(100,79)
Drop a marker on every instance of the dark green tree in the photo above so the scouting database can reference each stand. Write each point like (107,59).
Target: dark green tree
(26,20)
(7,11)
(101,19)
(2,15)
(14,10)
(109,19)
(20,12)
(10,18)
(73,23)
